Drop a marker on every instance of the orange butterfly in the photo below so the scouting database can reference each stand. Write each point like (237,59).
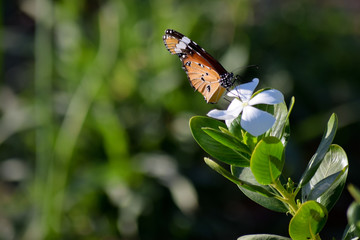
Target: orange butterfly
(205,74)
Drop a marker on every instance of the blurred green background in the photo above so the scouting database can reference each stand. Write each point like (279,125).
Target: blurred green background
(94,133)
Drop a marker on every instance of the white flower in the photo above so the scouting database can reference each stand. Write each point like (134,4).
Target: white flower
(253,120)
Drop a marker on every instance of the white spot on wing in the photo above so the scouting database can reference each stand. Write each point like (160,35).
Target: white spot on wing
(185,40)
(180,47)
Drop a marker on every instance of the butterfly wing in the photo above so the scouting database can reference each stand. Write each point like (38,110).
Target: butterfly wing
(203,78)
(205,74)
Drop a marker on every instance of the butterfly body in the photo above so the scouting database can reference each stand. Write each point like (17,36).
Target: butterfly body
(206,75)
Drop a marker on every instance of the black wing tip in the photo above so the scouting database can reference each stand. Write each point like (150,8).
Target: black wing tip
(169,31)
(173,33)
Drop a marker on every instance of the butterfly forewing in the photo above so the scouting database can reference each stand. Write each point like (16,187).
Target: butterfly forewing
(176,42)
(205,74)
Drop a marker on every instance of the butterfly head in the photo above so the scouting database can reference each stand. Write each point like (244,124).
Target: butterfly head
(227,80)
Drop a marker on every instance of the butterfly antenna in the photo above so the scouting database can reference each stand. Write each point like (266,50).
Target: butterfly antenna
(240,79)
(254,65)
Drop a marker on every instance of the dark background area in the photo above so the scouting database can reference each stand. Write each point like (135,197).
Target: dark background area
(94,133)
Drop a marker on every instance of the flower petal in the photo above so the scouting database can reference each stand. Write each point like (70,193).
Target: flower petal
(233,111)
(244,91)
(220,114)
(235,107)
(256,121)
(229,121)
(271,96)
(234,92)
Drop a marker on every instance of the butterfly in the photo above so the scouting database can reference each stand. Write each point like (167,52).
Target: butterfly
(206,75)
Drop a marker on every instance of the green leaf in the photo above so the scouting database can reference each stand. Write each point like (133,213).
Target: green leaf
(245,174)
(281,127)
(308,221)
(267,160)
(353,215)
(263,237)
(235,127)
(329,180)
(227,140)
(225,130)
(236,130)
(213,147)
(350,233)
(237,181)
(325,143)
(250,140)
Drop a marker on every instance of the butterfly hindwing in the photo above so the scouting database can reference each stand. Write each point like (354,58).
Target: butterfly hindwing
(203,78)
(205,74)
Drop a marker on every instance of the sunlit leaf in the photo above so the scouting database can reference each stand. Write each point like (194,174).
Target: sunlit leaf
(325,143)
(308,221)
(227,139)
(328,182)
(267,160)
(213,147)
(281,128)
(235,127)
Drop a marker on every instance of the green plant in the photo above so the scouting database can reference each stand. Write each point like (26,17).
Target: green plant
(256,166)
(353,214)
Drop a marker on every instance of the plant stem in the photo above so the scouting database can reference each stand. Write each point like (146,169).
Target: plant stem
(317,237)
(286,197)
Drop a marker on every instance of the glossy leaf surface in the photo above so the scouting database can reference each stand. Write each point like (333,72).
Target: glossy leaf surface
(212,146)
(325,143)
(328,182)
(267,202)
(308,221)
(267,160)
